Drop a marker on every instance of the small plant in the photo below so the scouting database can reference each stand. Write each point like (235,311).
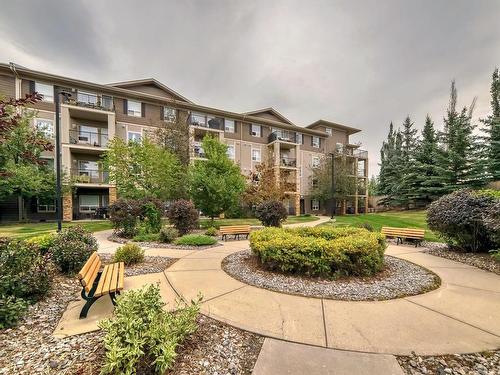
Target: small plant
(211,231)
(142,335)
(43,241)
(129,254)
(146,237)
(271,213)
(183,216)
(168,234)
(11,310)
(495,254)
(195,240)
(72,247)
(366,226)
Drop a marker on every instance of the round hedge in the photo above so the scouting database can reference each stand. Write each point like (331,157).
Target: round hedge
(320,251)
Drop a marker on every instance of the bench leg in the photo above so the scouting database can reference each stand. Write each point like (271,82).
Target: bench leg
(86,307)
(113,295)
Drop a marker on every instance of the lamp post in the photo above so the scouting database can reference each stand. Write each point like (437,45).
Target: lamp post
(58,91)
(334,201)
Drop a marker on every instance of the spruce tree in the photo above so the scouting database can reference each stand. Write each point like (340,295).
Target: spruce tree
(409,142)
(492,130)
(386,152)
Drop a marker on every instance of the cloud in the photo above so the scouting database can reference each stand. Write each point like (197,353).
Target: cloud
(361,63)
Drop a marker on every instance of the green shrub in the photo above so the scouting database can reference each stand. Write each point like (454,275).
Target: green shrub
(366,226)
(195,240)
(168,234)
(271,213)
(495,254)
(129,253)
(491,218)
(43,241)
(142,335)
(152,218)
(183,216)
(459,219)
(11,310)
(72,248)
(147,237)
(24,271)
(212,231)
(320,251)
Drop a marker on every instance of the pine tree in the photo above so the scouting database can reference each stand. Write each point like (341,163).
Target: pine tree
(394,173)
(492,130)
(409,142)
(386,152)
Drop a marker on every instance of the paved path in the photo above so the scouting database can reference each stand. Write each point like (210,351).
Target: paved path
(462,316)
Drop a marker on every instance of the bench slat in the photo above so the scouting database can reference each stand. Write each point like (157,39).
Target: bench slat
(114,278)
(411,233)
(121,274)
(103,285)
(89,279)
(87,265)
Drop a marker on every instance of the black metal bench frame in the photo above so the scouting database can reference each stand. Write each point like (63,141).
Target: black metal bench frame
(90,298)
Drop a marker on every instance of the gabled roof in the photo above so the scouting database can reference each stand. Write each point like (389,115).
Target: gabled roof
(129,85)
(334,125)
(272,112)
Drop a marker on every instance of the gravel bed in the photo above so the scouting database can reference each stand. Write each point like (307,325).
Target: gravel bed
(115,238)
(485,363)
(151,264)
(398,279)
(479,260)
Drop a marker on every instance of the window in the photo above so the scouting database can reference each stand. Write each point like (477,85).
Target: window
(107,102)
(169,114)
(229,126)
(134,108)
(134,136)
(47,91)
(339,147)
(198,119)
(45,126)
(255,155)
(315,142)
(87,98)
(329,131)
(255,130)
(45,205)
(230,152)
(315,205)
(315,162)
(300,138)
(89,203)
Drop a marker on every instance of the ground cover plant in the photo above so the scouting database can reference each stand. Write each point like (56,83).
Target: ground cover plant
(196,240)
(142,336)
(129,253)
(320,251)
(168,234)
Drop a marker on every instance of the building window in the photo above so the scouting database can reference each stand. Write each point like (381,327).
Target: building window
(134,108)
(169,114)
(300,138)
(255,130)
(87,98)
(339,147)
(47,91)
(45,126)
(315,162)
(89,203)
(315,183)
(134,136)
(45,205)
(329,131)
(229,126)
(315,205)
(315,142)
(107,102)
(255,155)
(230,152)
(198,119)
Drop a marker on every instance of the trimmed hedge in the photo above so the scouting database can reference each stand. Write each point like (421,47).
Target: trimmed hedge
(320,251)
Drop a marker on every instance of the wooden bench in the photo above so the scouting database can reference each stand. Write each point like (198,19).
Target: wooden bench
(96,283)
(404,233)
(235,230)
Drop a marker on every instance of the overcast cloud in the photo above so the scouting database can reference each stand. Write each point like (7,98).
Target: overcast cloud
(359,63)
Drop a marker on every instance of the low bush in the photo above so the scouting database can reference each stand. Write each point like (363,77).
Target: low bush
(72,248)
(320,251)
(142,336)
(129,253)
(147,237)
(271,213)
(124,215)
(211,231)
(168,234)
(495,254)
(43,241)
(183,216)
(459,219)
(195,240)
(11,310)
(491,219)
(366,226)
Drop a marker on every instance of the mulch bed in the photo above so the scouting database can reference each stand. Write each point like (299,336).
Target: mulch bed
(151,264)
(161,245)
(398,279)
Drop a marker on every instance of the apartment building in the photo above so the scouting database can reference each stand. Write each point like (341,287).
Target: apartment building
(95,113)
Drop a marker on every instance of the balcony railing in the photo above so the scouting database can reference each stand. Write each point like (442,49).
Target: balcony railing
(78,137)
(288,162)
(362,154)
(283,136)
(90,176)
(206,121)
(101,102)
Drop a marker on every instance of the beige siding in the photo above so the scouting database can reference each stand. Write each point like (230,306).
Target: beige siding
(7,86)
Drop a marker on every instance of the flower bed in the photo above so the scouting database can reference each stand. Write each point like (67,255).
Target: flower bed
(320,251)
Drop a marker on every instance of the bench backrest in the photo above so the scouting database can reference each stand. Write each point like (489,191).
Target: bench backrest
(228,229)
(404,232)
(89,271)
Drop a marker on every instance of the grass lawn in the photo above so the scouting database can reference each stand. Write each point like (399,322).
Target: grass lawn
(205,223)
(401,219)
(27,230)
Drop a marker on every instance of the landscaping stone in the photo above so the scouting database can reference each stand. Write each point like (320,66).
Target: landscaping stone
(151,264)
(117,239)
(399,278)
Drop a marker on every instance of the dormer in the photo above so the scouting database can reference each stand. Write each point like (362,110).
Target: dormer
(150,86)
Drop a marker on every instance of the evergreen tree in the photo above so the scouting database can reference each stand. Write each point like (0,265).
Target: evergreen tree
(492,130)
(386,152)
(409,142)
(394,173)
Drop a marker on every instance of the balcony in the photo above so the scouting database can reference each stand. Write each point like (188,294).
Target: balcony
(207,122)
(90,176)
(283,136)
(90,100)
(361,154)
(88,138)
(288,162)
